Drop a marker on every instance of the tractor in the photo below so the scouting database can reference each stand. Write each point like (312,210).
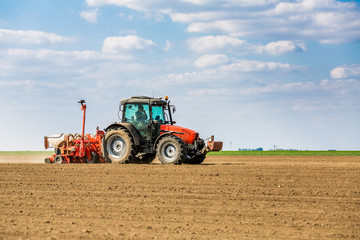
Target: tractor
(147,131)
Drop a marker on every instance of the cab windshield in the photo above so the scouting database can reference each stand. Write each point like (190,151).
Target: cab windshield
(136,113)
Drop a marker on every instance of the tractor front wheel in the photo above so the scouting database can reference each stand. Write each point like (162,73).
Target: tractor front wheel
(198,159)
(171,150)
(118,146)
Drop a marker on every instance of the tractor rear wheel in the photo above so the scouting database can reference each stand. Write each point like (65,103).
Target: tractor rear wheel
(118,146)
(171,150)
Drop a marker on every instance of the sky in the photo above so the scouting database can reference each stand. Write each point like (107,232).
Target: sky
(254,74)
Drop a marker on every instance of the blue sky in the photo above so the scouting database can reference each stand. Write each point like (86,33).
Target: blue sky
(252,73)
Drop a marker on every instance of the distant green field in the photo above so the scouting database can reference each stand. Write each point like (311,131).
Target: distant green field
(285,153)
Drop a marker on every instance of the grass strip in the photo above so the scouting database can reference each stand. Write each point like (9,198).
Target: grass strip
(285,153)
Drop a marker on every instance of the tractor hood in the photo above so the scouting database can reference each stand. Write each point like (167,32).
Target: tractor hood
(187,135)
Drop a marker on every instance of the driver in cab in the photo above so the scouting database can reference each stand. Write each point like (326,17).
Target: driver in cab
(140,114)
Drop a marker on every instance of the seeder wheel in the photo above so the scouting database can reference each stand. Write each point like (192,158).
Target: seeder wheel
(94,158)
(58,159)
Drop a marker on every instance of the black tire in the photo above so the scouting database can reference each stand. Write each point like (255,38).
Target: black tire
(147,158)
(171,150)
(118,146)
(94,158)
(47,160)
(58,159)
(196,160)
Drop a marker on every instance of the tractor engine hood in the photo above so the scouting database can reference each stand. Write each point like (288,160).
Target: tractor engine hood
(187,135)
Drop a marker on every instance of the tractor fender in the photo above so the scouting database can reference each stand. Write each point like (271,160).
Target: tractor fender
(164,135)
(128,126)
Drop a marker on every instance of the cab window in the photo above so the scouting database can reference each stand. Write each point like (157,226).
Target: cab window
(158,114)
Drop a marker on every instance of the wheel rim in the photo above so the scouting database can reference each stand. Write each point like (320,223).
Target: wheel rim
(116,146)
(169,152)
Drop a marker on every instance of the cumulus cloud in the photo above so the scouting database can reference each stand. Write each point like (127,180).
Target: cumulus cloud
(346,71)
(197,16)
(90,15)
(256,66)
(132,4)
(213,43)
(326,21)
(210,60)
(35,64)
(126,43)
(242,3)
(30,37)
(281,47)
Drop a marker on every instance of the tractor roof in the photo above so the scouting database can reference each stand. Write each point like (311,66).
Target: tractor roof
(143,100)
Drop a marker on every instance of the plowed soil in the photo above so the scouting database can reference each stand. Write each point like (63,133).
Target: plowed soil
(224,198)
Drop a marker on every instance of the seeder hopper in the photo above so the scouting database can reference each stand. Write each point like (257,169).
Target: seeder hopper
(75,148)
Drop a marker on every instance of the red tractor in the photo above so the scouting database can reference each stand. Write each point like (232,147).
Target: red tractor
(147,131)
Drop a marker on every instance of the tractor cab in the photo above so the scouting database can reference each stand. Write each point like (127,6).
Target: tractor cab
(146,115)
(147,131)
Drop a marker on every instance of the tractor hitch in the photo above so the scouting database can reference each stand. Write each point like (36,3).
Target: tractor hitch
(213,145)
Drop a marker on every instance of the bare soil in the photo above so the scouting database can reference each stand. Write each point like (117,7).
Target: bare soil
(230,197)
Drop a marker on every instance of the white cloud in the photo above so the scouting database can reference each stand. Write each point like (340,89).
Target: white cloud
(208,92)
(24,64)
(30,37)
(132,4)
(213,43)
(256,66)
(341,86)
(90,15)
(210,60)
(127,43)
(197,16)
(281,47)
(308,5)
(222,43)
(345,71)
(326,21)
(167,46)
(242,3)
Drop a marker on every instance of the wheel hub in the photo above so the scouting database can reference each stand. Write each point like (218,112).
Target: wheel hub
(116,147)
(169,151)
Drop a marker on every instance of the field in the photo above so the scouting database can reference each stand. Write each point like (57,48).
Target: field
(227,197)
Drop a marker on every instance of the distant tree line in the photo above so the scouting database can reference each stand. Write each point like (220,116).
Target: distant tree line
(277,149)
(250,149)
